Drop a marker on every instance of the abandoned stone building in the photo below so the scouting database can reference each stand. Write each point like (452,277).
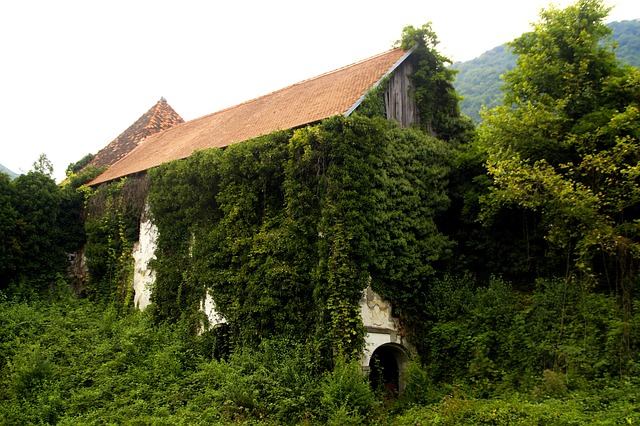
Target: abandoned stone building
(160,136)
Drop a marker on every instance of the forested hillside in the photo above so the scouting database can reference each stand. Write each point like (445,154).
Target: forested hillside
(627,35)
(478,80)
(510,253)
(11,174)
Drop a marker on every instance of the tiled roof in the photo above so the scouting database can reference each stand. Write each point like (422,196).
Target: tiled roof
(159,117)
(333,93)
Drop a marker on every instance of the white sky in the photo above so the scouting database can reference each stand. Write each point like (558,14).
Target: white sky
(75,74)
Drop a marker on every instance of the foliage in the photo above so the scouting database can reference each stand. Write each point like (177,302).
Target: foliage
(277,380)
(626,35)
(493,338)
(43,165)
(433,89)
(8,231)
(479,80)
(95,366)
(75,168)
(112,219)
(565,145)
(566,57)
(71,361)
(40,223)
(347,397)
(32,255)
(266,224)
(410,192)
(420,387)
(520,410)
(72,212)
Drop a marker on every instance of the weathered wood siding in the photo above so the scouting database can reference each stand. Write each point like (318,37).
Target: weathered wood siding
(399,103)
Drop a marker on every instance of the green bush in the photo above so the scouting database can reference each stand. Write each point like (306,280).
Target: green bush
(420,388)
(346,392)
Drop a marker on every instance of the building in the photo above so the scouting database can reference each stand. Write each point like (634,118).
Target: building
(339,92)
(159,118)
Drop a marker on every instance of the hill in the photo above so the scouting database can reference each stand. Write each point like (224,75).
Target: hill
(478,80)
(11,174)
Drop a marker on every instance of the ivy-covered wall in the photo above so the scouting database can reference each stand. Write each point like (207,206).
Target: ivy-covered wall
(112,215)
(286,231)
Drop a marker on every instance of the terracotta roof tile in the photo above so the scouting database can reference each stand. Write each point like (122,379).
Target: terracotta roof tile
(309,101)
(159,117)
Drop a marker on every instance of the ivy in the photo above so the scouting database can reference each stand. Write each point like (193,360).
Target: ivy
(112,225)
(432,82)
(287,230)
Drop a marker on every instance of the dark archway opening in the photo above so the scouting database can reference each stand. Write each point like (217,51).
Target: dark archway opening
(217,342)
(384,372)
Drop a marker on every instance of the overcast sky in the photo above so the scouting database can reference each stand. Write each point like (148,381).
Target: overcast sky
(75,74)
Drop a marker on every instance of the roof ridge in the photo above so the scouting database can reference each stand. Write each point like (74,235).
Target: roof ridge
(161,106)
(310,100)
(149,123)
(324,74)
(344,67)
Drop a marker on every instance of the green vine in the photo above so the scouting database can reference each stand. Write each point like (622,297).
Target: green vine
(432,83)
(287,230)
(112,225)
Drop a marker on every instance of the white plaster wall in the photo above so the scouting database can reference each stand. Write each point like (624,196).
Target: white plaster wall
(144,277)
(209,308)
(143,252)
(382,328)
(372,342)
(376,312)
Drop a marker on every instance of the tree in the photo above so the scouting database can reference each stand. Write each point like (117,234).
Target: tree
(43,165)
(34,238)
(432,82)
(565,146)
(8,216)
(74,168)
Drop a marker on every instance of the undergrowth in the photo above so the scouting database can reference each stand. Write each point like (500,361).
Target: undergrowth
(69,361)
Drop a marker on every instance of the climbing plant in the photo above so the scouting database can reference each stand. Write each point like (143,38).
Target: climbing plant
(286,231)
(432,86)
(112,224)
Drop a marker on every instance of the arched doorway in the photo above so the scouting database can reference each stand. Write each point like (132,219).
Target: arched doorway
(386,366)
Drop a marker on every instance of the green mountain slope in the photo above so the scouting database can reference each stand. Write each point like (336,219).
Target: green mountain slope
(3,169)
(478,80)
(627,35)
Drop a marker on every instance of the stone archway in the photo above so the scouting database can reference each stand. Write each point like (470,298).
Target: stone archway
(386,367)
(386,353)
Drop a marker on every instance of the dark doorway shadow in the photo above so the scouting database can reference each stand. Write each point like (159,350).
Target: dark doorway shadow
(384,370)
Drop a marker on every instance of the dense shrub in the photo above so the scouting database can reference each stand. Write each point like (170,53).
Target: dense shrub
(562,336)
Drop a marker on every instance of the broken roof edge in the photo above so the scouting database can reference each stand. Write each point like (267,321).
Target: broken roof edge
(377,83)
